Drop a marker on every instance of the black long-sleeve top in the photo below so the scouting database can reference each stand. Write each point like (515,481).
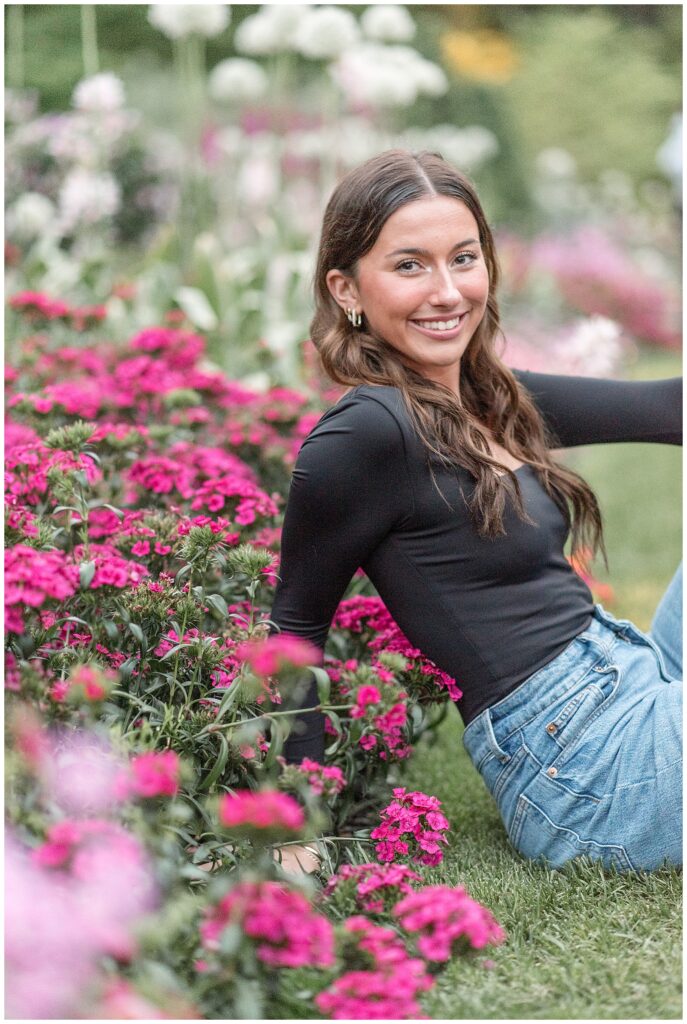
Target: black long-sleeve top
(488,611)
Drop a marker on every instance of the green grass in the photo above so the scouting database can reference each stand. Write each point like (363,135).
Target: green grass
(582,944)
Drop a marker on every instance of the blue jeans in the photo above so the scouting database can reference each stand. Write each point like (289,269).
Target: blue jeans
(585,756)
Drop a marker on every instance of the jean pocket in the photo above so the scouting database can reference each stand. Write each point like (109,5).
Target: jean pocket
(569,722)
(536,836)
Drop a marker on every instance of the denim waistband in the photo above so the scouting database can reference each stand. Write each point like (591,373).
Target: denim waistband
(538,691)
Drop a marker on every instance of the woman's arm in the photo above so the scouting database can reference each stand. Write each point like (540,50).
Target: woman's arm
(585,410)
(347,492)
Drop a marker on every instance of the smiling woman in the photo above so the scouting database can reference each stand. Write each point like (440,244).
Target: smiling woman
(435,473)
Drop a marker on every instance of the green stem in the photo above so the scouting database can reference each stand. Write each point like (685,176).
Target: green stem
(15,46)
(89,40)
(276,714)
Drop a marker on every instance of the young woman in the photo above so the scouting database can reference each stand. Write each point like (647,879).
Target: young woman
(435,473)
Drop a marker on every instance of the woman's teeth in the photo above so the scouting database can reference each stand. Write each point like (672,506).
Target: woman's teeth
(439,325)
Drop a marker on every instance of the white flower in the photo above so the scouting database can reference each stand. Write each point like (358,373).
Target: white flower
(270,29)
(179,20)
(556,163)
(386,76)
(87,198)
(669,156)
(237,79)
(30,216)
(389,23)
(467,147)
(99,93)
(258,180)
(325,32)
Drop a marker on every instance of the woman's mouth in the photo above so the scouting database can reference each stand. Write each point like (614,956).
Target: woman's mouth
(440,329)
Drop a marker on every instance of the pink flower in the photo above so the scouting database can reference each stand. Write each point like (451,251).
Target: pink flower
(323,781)
(152,774)
(376,886)
(403,830)
(443,918)
(32,577)
(266,809)
(281,923)
(270,656)
(389,991)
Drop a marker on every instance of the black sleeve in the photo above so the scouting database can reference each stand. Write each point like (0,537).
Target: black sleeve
(585,410)
(347,492)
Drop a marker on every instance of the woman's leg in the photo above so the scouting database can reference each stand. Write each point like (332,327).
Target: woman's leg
(666,629)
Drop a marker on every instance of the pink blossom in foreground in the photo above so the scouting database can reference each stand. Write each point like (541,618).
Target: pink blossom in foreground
(285,929)
(270,656)
(153,774)
(388,991)
(61,920)
(267,809)
(440,917)
(90,683)
(412,826)
(376,886)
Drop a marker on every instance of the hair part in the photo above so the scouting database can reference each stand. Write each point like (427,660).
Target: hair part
(491,399)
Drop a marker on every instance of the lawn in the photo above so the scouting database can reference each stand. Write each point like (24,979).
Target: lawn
(581,944)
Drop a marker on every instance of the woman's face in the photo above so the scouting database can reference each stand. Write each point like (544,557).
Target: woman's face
(423,286)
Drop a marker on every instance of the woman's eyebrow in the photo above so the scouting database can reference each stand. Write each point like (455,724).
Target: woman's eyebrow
(424,252)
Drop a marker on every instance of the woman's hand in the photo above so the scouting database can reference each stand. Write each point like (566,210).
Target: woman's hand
(298,860)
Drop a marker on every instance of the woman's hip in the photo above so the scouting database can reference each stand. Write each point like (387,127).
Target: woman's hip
(585,756)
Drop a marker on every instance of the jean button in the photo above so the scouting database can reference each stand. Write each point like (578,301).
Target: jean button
(552,772)
(552,728)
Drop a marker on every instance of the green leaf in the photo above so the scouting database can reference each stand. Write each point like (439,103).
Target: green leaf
(86,574)
(217,602)
(219,765)
(110,628)
(173,651)
(278,733)
(65,508)
(195,305)
(137,632)
(117,511)
(324,683)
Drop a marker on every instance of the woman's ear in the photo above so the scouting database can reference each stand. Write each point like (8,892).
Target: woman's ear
(343,289)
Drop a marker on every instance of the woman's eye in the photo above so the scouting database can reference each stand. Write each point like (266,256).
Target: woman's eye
(464,258)
(407,265)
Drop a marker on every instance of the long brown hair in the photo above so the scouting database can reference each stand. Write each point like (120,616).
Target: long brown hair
(490,395)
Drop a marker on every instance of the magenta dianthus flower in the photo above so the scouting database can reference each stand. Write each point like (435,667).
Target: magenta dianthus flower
(442,917)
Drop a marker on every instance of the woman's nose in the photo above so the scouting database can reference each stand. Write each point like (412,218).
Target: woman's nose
(445,291)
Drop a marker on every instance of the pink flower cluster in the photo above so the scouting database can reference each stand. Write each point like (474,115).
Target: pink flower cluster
(250,501)
(280,651)
(327,781)
(442,917)
(385,715)
(369,614)
(282,924)
(149,775)
(387,992)
(180,348)
(377,886)
(39,306)
(62,918)
(412,826)
(33,577)
(111,570)
(267,809)
(85,682)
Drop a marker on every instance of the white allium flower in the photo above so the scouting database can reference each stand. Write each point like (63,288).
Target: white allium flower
(237,79)
(99,93)
(388,23)
(270,29)
(179,20)
(87,198)
(556,163)
(367,77)
(467,147)
(387,76)
(258,181)
(669,156)
(325,32)
(30,216)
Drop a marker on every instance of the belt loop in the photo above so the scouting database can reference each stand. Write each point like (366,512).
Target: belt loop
(491,739)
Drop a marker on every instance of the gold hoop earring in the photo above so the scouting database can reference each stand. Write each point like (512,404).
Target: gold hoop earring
(355,318)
